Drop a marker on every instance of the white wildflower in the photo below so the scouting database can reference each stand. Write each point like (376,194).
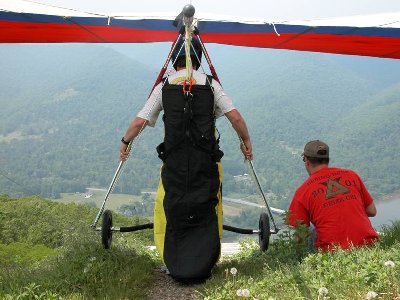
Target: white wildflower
(389,264)
(323,291)
(87,268)
(233,271)
(239,293)
(371,295)
(246,293)
(93,258)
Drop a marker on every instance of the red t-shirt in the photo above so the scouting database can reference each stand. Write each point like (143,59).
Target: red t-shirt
(334,201)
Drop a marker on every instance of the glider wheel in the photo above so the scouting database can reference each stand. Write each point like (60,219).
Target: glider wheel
(106,233)
(265,232)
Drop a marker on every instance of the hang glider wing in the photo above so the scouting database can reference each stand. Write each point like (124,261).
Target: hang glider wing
(369,35)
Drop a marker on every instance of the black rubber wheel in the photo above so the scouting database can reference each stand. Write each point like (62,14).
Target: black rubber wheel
(106,233)
(265,232)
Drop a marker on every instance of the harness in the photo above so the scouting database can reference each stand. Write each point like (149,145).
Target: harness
(189,119)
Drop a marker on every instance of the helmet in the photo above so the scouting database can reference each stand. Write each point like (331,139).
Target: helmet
(179,50)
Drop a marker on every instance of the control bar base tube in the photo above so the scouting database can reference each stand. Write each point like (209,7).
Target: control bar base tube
(239,230)
(130,228)
(137,227)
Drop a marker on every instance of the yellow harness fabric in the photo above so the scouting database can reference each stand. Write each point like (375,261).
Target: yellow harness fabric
(160,219)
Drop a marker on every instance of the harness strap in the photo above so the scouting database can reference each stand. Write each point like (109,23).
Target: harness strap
(188,125)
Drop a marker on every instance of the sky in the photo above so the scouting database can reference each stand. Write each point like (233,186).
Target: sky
(277,10)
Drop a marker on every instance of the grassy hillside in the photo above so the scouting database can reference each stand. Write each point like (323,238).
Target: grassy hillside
(280,273)
(48,251)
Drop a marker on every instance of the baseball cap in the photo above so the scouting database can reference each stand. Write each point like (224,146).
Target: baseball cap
(316,149)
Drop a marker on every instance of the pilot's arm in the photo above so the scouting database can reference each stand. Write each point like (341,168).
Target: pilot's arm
(240,127)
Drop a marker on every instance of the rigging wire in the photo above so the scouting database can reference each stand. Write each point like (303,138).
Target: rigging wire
(71,9)
(85,29)
(27,191)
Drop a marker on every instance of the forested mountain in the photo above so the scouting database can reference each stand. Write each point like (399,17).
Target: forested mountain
(62,125)
(369,140)
(64,109)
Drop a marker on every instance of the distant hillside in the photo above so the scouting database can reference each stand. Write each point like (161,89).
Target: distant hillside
(65,108)
(368,138)
(62,131)
(289,98)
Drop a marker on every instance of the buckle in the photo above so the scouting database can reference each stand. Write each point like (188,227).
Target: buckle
(187,86)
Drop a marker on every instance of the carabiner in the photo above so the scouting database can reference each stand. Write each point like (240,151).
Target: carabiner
(187,88)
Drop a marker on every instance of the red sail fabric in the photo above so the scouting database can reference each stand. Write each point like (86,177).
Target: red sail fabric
(371,35)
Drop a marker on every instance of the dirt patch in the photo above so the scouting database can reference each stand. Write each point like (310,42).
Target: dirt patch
(166,288)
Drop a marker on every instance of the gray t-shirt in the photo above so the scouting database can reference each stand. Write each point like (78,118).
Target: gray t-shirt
(153,106)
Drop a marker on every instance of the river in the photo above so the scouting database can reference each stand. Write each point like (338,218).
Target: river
(387,212)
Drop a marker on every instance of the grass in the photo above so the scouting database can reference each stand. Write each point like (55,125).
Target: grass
(23,254)
(114,202)
(231,210)
(82,269)
(72,264)
(280,273)
(79,268)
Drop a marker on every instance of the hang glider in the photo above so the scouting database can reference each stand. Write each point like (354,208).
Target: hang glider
(368,35)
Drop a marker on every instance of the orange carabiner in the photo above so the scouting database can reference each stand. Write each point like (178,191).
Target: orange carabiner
(187,88)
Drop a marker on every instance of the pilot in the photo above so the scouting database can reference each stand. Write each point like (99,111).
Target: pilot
(188,207)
